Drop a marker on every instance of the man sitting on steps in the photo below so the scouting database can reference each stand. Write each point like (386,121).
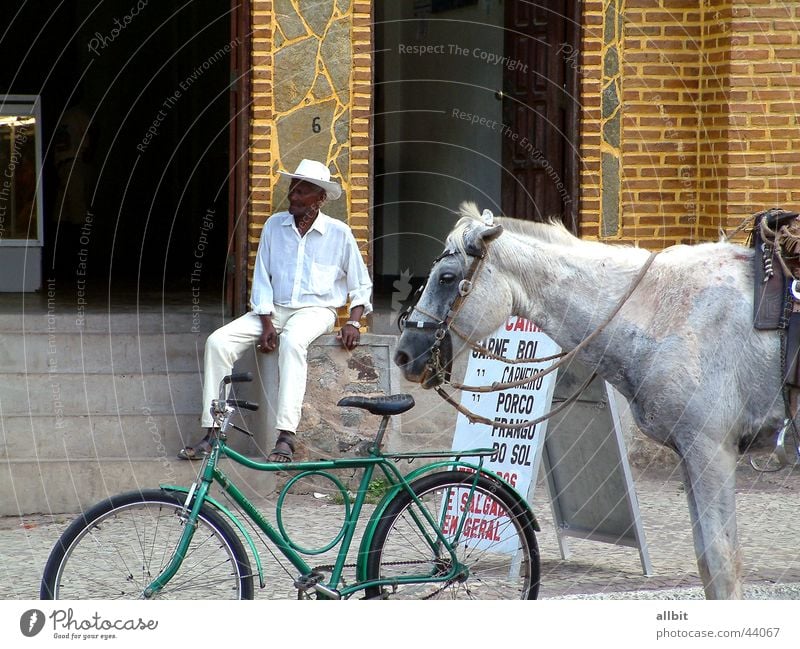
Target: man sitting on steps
(307,266)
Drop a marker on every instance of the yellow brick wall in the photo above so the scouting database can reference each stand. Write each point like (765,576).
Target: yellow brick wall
(711,92)
(660,107)
(351,160)
(261,135)
(714,119)
(590,144)
(762,163)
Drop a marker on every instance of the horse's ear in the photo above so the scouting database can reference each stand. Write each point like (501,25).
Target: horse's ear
(491,233)
(476,239)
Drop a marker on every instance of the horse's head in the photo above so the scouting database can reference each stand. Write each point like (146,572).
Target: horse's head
(463,294)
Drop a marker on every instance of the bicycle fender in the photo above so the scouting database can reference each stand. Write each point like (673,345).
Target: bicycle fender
(232,518)
(380,508)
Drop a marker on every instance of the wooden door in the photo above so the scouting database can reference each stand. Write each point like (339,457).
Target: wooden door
(239,147)
(540,108)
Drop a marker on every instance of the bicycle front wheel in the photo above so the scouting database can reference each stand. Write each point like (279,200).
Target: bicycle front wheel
(495,554)
(118,547)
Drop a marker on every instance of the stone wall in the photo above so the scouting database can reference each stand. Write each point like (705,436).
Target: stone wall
(328,431)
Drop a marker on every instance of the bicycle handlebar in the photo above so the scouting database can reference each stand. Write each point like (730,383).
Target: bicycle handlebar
(239,403)
(242,377)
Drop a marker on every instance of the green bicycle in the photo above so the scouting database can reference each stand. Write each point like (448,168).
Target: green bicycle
(449,529)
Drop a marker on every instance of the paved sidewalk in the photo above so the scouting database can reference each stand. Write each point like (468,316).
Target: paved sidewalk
(769,528)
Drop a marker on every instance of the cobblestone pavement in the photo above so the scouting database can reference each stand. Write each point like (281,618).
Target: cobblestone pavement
(768,516)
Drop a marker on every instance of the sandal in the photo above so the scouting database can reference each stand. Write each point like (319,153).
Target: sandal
(196,452)
(285,440)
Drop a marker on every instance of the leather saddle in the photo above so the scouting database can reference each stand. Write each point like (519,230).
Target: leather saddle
(776,266)
(770,283)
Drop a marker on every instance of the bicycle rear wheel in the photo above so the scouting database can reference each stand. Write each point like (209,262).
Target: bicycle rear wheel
(118,547)
(493,538)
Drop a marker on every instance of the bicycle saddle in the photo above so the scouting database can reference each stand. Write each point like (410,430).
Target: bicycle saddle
(393,404)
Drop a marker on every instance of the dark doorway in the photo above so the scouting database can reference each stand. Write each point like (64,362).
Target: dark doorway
(540,106)
(136,114)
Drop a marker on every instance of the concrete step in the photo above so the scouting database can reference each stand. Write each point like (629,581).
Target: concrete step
(59,486)
(62,395)
(55,321)
(144,435)
(101,352)
(93,403)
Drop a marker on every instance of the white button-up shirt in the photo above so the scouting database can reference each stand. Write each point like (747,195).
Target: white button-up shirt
(322,268)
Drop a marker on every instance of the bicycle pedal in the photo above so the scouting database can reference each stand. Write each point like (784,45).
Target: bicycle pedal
(330,593)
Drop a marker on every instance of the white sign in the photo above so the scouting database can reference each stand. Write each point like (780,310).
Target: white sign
(517,450)
(586,466)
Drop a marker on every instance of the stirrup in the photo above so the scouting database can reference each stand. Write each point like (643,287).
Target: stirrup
(778,454)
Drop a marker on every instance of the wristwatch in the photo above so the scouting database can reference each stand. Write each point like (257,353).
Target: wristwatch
(354,323)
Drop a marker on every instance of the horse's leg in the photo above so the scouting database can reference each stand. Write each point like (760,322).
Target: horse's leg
(710,478)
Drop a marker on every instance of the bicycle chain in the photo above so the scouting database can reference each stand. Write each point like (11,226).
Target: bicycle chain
(329,567)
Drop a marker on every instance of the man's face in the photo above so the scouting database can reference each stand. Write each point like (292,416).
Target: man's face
(304,197)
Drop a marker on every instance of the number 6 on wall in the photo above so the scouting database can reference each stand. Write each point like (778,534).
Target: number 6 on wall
(315,125)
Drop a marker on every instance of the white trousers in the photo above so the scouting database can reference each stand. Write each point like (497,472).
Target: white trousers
(297,329)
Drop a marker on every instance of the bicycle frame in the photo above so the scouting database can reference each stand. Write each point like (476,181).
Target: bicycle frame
(308,578)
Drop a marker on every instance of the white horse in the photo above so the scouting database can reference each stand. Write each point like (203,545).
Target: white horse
(700,380)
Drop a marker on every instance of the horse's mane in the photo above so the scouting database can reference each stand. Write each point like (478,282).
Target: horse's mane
(552,231)
(527,238)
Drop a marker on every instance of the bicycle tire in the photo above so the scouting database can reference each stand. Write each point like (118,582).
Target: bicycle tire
(116,548)
(502,557)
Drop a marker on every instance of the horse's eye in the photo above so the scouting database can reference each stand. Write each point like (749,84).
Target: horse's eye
(447,278)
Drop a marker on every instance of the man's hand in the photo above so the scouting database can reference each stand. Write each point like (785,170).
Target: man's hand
(268,340)
(349,335)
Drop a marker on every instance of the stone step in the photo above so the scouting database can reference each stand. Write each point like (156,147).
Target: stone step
(170,320)
(59,486)
(62,395)
(101,352)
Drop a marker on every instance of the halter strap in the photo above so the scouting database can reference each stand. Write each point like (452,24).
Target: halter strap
(464,289)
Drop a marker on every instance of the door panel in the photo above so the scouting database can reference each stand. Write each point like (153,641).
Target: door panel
(540,106)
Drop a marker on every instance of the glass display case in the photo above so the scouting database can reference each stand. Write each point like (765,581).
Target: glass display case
(21,237)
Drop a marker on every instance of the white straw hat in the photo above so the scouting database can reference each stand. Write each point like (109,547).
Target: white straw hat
(317,174)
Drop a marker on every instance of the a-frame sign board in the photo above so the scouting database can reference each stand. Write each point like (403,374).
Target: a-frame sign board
(585,462)
(586,466)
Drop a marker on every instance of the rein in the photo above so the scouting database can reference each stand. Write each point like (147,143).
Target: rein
(444,326)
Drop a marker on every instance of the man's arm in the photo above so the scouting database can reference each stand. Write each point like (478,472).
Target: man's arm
(359,283)
(261,295)
(359,290)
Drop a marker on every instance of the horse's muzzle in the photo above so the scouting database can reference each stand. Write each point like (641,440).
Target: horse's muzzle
(423,360)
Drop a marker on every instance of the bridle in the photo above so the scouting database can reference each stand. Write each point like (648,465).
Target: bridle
(442,326)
